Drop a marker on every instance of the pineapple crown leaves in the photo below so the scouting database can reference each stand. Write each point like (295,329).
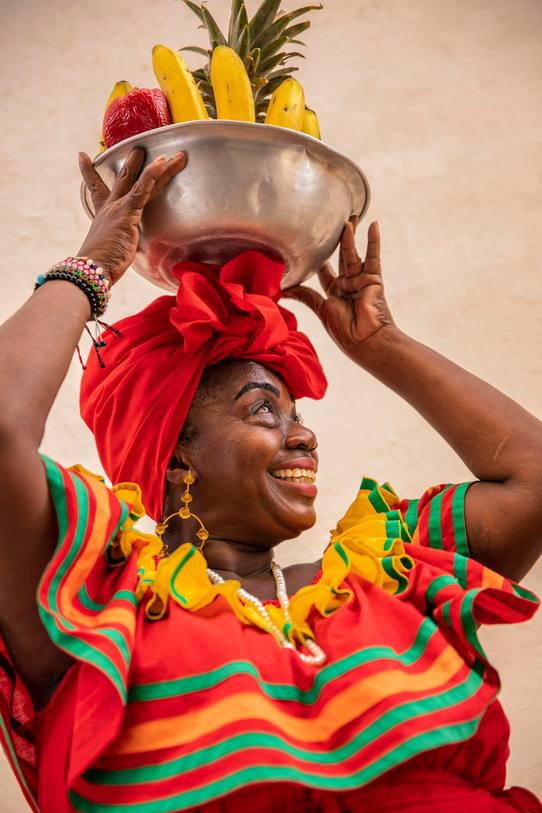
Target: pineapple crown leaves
(258,42)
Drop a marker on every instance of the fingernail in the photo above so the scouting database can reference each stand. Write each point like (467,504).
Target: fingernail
(160,158)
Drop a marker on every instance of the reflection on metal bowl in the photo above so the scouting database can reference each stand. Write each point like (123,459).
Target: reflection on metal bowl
(245,186)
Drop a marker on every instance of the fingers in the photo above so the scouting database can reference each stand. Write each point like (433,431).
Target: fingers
(154,177)
(327,276)
(144,187)
(372,258)
(172,168)
(308,296)
(350,262)
(129,173)
(99,191)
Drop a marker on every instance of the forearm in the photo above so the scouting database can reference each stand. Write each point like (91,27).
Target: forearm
(495,437)
(36,346)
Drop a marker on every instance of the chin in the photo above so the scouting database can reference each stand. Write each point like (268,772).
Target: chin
(303,525)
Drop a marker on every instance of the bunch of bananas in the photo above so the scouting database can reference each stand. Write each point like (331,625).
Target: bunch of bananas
(232,89)
(242,72)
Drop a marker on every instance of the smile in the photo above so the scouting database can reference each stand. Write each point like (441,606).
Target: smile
(295,475)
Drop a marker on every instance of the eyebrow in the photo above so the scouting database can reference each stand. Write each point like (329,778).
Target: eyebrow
(257,385)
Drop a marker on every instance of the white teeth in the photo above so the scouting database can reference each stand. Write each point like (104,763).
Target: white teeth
(295,475)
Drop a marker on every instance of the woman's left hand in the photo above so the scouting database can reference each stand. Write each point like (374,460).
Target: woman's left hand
(354,307)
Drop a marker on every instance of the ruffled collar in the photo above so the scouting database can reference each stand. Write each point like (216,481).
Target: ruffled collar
(367,542)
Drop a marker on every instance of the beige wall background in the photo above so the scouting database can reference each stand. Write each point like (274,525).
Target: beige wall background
(439,101)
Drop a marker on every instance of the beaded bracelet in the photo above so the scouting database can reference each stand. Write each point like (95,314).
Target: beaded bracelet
(84,273)
(87,276)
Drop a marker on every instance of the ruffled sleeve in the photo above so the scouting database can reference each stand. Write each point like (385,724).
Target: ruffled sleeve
(437,519)
(445,584)
(88,607)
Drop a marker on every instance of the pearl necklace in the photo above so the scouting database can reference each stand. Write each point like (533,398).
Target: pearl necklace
(316,657)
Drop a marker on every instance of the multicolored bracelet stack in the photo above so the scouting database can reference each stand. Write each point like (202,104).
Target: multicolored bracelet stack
(92,281)
(87,276)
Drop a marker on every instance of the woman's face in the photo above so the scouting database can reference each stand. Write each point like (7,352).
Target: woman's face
(254,462)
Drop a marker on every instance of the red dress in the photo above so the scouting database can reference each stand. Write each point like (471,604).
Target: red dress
(177,702)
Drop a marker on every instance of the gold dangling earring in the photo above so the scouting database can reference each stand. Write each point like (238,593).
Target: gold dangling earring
(183,513)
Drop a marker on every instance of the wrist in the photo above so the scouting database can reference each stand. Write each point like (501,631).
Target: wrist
(86,275)
(382,345)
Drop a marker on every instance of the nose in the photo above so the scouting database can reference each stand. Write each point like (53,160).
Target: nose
(301,437)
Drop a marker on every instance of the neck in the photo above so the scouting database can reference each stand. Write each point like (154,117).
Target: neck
(233,560)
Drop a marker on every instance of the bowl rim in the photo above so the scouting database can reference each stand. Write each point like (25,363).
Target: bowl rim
(226,127)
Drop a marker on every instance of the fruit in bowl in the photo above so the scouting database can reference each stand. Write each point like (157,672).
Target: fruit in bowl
(139,110)
(246,78)
(257,177)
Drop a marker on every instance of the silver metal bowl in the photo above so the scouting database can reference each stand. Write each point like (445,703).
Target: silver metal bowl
(245,186)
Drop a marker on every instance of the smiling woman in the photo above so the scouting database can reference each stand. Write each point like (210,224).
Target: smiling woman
(184,670)
(248,436)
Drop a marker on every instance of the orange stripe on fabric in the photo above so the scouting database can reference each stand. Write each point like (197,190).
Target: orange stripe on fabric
(340,710)
(86,560)
(492,579)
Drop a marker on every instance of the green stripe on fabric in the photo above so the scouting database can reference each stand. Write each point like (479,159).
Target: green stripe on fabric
(256,739)
(411,710)
(522,592)
(438,584)
(367,484)
(434,527)
(179,568)
(458,519)
(422,742)
(378,502)
(56,486)
(68,643)
(89,604)
(277,691)
(15,764)
(411,516)
(446,613)
(340,550)
(460,570)
(468,622)
(396,527)
(387,564)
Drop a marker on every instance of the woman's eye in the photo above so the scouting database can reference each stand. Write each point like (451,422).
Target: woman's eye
(298,418)
(265,407)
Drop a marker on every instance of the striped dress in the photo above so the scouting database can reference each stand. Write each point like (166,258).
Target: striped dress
(177,700)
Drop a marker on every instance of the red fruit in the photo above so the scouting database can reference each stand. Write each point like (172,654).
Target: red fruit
(140,110)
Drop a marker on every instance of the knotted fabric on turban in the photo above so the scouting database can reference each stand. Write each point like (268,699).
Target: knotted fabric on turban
(136,406)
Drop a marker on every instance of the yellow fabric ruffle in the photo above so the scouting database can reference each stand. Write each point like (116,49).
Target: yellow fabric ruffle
(121,546)
(368,541)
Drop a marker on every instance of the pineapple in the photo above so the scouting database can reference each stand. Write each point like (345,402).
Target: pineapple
(259,43)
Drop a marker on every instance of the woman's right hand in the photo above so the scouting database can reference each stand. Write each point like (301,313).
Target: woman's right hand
(113,236)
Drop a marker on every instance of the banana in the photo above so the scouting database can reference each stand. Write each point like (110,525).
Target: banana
(231,85)
(120,89)
(310,123)
(178,85)
(287,106)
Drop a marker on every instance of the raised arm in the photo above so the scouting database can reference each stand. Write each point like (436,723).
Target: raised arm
(496,438)
(36,347)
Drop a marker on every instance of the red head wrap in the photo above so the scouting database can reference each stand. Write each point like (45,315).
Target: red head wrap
(136,406)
